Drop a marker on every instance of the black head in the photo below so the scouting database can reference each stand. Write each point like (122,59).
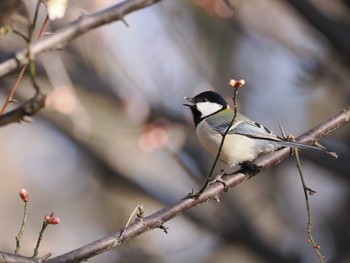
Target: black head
(205,104)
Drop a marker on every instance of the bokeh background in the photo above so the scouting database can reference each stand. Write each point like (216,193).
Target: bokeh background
(115,133)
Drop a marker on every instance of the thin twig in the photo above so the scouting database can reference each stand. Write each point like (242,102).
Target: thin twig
(20,76)
(13,90)
(222,143)
(229,5)
(21,231)
(307,191)
(41,233)
(139,214)
(68,33)
(36,249)
(18,33)
(35,19)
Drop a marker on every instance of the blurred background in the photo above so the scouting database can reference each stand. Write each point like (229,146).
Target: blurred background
(115,133)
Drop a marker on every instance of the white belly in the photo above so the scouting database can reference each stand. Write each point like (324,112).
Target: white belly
(236,149)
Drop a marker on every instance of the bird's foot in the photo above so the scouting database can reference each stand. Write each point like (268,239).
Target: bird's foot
(220,180)
(194,194)
(251,166)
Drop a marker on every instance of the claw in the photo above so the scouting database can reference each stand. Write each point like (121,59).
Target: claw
(193,195)
(251,166)
(220,180)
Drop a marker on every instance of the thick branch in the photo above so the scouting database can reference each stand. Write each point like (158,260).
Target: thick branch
(65,35)
(157,219)
(12,258)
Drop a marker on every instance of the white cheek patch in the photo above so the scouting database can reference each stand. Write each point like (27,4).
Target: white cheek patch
(207,108)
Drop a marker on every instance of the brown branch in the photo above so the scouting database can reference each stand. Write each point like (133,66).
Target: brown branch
(9,258)
(27,109)
(158,219)
(66,34)
(21,73)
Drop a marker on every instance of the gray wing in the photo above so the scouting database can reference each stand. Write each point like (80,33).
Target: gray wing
(255,130)
(249,129)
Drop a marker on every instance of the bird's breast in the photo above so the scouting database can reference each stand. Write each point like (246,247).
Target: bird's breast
(236,148)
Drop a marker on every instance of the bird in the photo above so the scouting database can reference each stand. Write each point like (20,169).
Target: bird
(245,140)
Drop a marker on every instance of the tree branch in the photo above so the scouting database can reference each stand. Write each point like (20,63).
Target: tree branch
(27,109)
(157,220)
(66,34)
(9,258)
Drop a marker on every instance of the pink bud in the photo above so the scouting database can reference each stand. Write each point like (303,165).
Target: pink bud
(241,82)
(47,217)
(54,220)
(24,195)
(237,84)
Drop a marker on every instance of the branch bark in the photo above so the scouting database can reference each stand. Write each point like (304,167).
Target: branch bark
(68,33)
(28,108)
(158,219)
(12,258)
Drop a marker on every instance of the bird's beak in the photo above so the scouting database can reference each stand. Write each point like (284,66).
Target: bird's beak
(189,100)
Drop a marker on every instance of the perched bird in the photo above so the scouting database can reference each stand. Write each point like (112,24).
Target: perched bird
(245,140)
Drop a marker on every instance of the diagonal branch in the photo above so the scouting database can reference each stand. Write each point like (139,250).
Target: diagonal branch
(66,34)
(158,219)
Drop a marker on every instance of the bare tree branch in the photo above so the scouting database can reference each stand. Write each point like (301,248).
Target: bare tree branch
(66,34)
(27,109)
(9,258)
(158,219)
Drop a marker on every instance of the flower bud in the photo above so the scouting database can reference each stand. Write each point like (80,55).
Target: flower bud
(47,217)
(24,195)
(241,82)
(54,220)
(237,84)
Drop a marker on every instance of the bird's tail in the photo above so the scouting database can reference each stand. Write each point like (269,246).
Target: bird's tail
(305,146)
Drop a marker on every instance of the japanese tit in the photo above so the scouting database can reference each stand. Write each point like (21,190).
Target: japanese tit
(245,139)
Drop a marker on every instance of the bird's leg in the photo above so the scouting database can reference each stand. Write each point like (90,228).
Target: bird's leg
(219,178)
(194,194)
(250,166)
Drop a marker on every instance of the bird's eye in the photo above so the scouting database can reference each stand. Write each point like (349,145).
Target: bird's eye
(205,100)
